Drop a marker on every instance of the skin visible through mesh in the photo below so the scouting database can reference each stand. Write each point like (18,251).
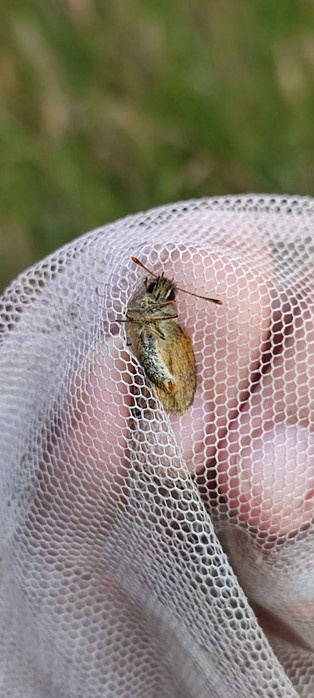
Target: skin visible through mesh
(145,553)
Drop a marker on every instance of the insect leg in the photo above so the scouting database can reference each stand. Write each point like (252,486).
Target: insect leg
(157,331)
(158,319)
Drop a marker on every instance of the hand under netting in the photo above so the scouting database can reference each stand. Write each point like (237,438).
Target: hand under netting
(146,554)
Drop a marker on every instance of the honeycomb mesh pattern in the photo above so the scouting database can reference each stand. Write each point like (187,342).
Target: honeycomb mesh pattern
(145,554)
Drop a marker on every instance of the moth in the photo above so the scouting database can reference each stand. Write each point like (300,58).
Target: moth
(162,346)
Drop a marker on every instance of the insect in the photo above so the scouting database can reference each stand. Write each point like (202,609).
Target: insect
(163,347)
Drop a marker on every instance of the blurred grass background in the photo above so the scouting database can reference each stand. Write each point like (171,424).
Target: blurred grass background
(109,107)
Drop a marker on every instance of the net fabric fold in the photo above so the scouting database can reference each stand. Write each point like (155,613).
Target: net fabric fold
(143,553)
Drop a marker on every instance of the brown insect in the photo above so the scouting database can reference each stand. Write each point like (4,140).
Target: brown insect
(163,347)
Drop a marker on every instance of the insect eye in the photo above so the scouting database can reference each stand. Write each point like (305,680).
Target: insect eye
(151,287)
(171,296)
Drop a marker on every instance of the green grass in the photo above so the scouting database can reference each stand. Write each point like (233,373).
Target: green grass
(109,107)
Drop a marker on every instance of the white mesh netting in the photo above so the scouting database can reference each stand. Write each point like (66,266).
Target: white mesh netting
(142,553)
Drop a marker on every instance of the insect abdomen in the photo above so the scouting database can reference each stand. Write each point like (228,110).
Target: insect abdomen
(153,362)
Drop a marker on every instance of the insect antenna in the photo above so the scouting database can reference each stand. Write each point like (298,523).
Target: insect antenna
(197,295)
(140,264)
(182,290)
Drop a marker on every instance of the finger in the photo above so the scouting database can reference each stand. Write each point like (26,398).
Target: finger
(85,469)
(266,463)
